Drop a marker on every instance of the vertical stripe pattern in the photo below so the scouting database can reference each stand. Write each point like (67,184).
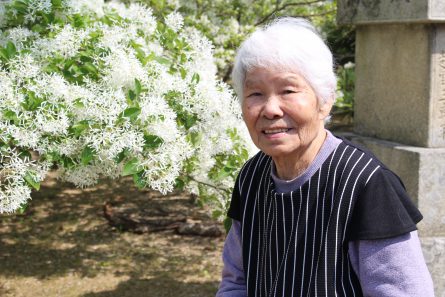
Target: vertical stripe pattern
(295,244)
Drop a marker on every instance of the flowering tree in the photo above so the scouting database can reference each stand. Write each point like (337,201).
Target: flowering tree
(227,22)
(98,89)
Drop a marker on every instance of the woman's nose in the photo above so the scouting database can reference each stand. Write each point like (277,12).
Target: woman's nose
(272,108)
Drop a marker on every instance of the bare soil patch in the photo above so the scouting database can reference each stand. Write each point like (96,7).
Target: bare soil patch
(63,246)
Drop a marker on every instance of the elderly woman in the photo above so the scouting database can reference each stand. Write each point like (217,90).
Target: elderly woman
(313,214)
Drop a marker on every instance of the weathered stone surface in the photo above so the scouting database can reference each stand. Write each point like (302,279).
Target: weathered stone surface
(437,94)
(434,253)
(369,11)
(400,83)
(422,170)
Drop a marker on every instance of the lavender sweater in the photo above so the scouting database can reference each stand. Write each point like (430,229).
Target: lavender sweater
(385,267)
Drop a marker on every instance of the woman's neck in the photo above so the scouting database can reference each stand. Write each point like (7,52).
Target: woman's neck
(289,167)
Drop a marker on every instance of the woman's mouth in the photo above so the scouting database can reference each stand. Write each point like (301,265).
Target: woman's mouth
(275,131)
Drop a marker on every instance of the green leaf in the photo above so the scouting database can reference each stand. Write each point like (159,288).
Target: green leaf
(195,78)
(38,28)
(140,54)
(152,141)
(78,103)
(10,115)
(22,208)
(131,96)
(194,137)
(20,6)
(8,51)
(87,155)
(131,167)
(67,162)
(78,128)
(57,3)
(138,179)
(183,72)
(162,60)
(121,156)
(25,154)
(89,67)
(4,54)
(190,121)
(32,180)
(223,173)
(31,102)
(138,88)
(179,184)
(11,49)
(132,113)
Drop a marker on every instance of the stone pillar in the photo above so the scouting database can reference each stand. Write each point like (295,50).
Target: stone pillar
(400,104)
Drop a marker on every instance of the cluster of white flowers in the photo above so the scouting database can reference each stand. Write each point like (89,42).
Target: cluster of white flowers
(66,43)
(85,6)
(35,6)
(14,191)
(109,99)
(18,36)
(175,21)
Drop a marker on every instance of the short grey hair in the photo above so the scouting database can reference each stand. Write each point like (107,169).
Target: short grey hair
(290,44)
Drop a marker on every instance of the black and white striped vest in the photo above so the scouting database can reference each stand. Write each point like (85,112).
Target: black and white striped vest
(296,244)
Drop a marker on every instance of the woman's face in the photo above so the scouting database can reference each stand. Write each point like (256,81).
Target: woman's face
(281,112)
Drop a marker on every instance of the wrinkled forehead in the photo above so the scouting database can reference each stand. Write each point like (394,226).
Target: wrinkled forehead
(280,74)
(258,76)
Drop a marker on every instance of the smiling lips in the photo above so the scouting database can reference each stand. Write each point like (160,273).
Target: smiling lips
(274,131)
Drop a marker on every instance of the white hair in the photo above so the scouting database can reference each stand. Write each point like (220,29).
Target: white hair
(290,44)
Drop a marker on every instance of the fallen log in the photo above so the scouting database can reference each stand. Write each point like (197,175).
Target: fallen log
(127,219)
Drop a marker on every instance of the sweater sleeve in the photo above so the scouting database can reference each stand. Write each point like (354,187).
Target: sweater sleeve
(391,267)
(233,283)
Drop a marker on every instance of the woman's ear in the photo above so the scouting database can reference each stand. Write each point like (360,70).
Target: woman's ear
(325,108)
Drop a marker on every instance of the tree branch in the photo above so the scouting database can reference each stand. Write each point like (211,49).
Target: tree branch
(315,14)
(209,185)
(284,6)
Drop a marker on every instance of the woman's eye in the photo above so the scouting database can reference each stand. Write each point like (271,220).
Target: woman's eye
(255,94)
(289,91)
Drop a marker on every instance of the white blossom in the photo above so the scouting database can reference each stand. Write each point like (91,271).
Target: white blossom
(18,36)
(24,66)
(7,91)
(13,196)
(139,14)
(81,176)
(24,137)
(52,123)
(35,6)
(123,69)
(175,3)
(66,43)
(80,6)
(349,65)
(175,21)
(14,191)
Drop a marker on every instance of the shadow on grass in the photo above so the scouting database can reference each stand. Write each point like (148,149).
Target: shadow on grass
(64,231)
(52,237)
(161,286)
